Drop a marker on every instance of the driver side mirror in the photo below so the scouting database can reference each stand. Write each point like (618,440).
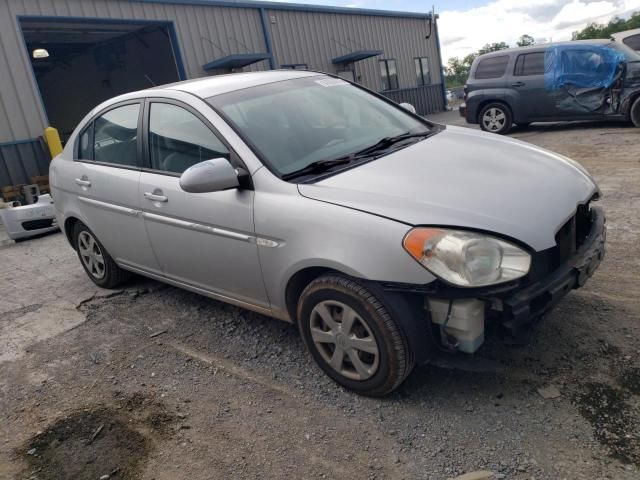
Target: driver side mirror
(409,107)
(209,176)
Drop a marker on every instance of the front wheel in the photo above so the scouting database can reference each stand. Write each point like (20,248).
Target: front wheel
(352,336)
(496,118)
(635,112)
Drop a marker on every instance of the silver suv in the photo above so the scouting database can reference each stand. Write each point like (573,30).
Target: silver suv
(304,197)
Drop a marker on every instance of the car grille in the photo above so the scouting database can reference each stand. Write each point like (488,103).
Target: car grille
(37,224)
(573,234)
(568,240)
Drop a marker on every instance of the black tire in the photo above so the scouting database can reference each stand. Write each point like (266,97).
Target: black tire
(634,113)
(112,275)
(394,358)
(503,118)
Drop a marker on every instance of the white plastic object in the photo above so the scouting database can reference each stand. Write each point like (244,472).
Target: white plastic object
(30,220)
(466,321)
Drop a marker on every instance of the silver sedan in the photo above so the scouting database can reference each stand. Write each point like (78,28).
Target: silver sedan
(304,197)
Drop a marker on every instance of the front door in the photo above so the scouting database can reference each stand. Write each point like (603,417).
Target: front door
(203,240)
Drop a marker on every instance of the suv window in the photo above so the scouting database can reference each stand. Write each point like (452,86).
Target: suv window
(529,64)
(633,41)
(492,67)
(115,137)
(178,139)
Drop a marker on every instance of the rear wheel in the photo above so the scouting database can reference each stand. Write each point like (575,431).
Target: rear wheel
(635,112)
(95,259)
(495,118)
(352,336)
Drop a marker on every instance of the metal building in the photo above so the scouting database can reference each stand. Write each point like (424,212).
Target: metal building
(60,58)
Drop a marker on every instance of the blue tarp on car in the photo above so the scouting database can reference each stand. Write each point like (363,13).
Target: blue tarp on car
(581,66)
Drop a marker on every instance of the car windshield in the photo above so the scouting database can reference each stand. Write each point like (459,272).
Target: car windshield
(295,123)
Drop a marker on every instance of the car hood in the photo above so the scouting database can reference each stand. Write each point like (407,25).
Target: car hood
(467,179)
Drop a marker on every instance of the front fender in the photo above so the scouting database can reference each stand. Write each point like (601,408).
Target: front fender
(313,233)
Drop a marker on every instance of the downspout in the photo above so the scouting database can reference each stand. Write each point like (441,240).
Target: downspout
(267,37)
(442,78)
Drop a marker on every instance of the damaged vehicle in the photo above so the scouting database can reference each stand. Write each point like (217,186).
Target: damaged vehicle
(386,238)
(579,80)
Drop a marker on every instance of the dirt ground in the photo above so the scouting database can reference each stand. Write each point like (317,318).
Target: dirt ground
(151,382)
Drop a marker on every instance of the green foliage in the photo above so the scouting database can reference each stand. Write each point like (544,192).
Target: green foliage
(605,30)
(525,40)
(457,70)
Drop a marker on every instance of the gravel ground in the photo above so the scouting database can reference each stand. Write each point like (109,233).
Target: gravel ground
(198,389)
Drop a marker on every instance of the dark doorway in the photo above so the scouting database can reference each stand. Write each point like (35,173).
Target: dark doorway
(79,64)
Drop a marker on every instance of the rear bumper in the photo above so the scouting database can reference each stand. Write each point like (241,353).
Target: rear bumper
(523,307)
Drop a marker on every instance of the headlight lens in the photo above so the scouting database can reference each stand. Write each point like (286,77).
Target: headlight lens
(466,259)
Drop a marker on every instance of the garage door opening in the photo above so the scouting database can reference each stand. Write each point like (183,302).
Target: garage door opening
(78,64)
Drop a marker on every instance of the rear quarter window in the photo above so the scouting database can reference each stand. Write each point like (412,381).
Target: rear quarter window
(492,67)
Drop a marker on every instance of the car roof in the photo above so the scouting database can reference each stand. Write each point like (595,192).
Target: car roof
(219,84)
(542,46)
(628,33)
(216,85)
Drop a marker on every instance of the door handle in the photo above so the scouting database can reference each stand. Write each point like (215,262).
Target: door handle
(518,84)
(83,182)
(155,198)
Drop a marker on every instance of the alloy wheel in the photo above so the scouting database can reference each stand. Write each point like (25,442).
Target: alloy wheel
(91,255)
(344,340)
(494,119)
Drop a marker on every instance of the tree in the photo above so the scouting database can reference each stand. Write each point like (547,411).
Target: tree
(457,70)
(605,30)
(525,40)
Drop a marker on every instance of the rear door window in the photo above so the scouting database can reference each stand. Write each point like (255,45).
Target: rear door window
(492,67)
(529,64)
(115,136)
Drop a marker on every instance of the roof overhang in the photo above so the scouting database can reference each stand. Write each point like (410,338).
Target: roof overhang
(236,60)
(356,56)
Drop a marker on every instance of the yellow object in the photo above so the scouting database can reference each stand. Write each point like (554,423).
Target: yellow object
(52,137)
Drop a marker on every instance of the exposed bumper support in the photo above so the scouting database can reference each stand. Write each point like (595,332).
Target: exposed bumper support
(525,306)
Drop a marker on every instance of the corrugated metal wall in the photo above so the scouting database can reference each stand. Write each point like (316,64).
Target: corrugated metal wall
(204,33)
(426,99)
(315,38)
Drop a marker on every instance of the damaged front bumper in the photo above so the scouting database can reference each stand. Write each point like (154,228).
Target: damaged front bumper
(521,308)
(461,314)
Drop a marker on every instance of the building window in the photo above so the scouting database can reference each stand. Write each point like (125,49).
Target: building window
(423,75)
(389,74)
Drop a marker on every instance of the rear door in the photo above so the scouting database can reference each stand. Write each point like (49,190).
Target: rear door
(202,240)
(530,99)
(105,179)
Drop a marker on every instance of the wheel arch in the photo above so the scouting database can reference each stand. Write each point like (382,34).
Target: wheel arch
(68,228)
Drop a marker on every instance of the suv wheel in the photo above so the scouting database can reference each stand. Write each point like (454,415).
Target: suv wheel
(95,260)
(496,118)
(635,112)
(352,336)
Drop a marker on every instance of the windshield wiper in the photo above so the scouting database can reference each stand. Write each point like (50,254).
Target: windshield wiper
(324,165)
(386,142)
(317,167)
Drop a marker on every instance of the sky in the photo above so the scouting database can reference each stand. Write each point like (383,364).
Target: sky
(466,25)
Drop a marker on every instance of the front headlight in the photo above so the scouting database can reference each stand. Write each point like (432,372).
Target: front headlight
(466,259)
